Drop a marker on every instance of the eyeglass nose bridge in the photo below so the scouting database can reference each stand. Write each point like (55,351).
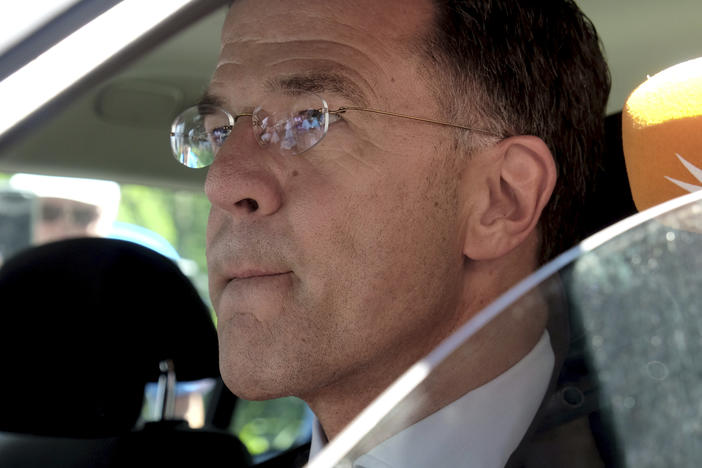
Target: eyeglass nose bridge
(233,119)
(254,128)
(236,117)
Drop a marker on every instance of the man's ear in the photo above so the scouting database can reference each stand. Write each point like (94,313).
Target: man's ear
(515,183)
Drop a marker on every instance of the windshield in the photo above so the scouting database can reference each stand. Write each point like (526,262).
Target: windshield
(623,330)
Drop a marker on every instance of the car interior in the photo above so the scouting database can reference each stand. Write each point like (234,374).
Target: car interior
(117,340)
(138,334)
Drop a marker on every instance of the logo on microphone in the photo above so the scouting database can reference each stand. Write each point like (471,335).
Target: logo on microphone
(695,171)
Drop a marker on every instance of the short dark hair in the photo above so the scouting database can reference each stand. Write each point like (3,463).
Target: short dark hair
(528,67)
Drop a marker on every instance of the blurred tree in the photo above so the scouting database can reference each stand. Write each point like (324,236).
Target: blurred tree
(179,216)
(272,426)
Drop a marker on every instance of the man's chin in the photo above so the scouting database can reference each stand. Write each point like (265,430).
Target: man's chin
(252,385)
(247,369)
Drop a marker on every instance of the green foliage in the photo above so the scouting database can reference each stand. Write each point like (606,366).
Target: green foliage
(179,216)
(271,425)
(190,217)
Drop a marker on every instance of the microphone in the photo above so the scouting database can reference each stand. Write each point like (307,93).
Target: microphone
(662,135)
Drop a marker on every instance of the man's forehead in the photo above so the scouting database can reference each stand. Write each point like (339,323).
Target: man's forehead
(254,19)
(342,48)
(320,81)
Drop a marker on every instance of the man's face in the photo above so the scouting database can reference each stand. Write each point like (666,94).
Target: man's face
(62,219)
(344,261)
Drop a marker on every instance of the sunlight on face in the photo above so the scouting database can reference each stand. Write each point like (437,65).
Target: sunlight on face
(325,264)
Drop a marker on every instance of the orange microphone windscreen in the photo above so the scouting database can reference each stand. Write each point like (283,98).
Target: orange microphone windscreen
(662,135)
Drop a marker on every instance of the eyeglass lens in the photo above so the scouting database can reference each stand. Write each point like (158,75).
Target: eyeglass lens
(197,133)
(289,124)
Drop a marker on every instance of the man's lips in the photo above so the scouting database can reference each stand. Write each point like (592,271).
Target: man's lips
(251,274)
(259,292)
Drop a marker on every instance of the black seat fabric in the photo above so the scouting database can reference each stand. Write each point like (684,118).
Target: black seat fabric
(165,445)
(84,324)
(609,199)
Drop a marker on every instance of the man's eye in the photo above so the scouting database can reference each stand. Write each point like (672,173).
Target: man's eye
(220,134)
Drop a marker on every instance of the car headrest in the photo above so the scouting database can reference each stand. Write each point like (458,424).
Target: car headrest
(662,135)
(84,324)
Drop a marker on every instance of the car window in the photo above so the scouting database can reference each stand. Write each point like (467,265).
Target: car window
(172,222)
(26,18)
(34,209)
(268,428)
(627,392)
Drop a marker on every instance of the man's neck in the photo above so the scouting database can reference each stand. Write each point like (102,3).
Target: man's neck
(336,405)
(489,353)
(475,423)
(496,347)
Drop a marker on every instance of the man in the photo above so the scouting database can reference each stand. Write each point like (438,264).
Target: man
(338,261)
(70,207)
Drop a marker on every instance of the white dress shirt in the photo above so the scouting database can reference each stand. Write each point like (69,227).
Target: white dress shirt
(479,430)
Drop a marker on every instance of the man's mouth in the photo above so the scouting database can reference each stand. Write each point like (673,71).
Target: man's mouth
(256,274)
(252,274)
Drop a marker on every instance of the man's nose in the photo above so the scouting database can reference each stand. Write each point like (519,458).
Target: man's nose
(241,180)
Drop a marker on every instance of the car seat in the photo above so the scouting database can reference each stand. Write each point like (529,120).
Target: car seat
(85,324)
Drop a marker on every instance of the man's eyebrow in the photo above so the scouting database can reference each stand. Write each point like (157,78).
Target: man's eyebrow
(319,83)
(209,99)
(313,82)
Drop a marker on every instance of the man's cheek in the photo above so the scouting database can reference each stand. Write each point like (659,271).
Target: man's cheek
(214,220)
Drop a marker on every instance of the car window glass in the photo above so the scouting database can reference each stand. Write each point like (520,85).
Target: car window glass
(171,222)
(625,332)
(270,427)
(192,400)
(38,209)
(22,19)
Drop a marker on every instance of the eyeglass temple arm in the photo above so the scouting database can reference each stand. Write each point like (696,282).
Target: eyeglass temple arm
(341,110)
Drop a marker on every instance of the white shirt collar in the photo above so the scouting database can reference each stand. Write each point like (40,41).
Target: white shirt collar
(480,429)
(319,438)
